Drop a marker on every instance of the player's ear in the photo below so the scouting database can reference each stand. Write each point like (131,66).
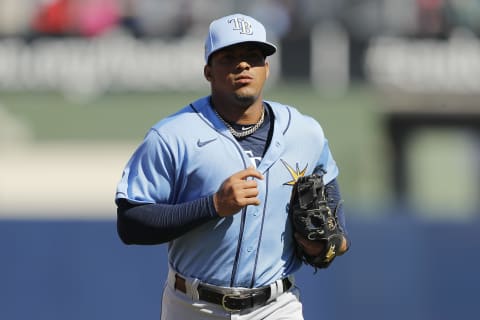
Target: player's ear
(207,72)
(267,69)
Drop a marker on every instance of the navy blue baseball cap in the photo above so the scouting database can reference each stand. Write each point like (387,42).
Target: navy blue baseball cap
(235,29)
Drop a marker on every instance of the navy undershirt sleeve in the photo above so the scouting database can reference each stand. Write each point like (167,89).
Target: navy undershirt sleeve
(159,223)
(334,200)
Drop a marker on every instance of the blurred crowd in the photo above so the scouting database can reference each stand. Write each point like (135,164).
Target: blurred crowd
(289,22)
(285,18)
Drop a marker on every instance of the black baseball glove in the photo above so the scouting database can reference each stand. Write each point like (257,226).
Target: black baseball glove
(312,217)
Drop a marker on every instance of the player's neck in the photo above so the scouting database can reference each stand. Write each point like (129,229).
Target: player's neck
(237,112)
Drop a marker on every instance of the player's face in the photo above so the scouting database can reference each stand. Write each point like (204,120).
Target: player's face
(238,72)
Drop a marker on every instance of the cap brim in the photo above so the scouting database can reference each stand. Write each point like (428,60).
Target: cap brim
(267,48)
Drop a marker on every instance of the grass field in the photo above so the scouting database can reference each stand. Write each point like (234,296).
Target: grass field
(353,124)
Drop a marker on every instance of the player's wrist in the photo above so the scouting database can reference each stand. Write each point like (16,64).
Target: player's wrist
(344,246)
(211,206)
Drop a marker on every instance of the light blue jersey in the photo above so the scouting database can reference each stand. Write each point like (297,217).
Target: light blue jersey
(189,154)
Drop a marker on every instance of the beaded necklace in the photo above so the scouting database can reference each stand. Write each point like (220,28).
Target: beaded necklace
(243,133)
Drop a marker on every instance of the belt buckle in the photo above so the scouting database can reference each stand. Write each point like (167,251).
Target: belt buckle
(237,296)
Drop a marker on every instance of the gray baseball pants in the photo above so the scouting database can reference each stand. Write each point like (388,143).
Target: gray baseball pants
(177,305)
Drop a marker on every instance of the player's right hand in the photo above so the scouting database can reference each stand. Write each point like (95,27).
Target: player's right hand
(237,191)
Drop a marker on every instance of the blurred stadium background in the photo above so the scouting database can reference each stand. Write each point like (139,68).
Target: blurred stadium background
(395,84)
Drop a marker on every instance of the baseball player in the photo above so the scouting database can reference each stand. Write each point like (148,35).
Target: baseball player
(214,181)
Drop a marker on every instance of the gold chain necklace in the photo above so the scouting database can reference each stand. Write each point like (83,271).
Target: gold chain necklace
(244,133)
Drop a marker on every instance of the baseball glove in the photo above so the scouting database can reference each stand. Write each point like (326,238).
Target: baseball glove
(312,217)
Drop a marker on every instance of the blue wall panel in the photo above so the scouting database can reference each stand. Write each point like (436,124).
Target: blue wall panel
(398,268)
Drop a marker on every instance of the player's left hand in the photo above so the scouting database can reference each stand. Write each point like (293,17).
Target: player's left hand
(311,248)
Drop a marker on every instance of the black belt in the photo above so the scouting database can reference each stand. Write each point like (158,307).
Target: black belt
(234,301)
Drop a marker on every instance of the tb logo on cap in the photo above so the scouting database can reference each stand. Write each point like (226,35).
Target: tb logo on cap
(241,25)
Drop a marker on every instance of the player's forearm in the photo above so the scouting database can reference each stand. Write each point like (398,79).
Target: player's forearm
(160,223)
(334,201)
